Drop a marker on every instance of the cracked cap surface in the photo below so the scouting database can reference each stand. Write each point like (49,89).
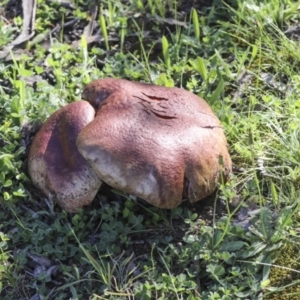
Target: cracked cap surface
(160,144)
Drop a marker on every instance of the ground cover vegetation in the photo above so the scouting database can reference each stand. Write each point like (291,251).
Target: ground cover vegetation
(243,242)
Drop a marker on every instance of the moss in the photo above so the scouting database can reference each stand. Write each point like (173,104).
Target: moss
(279,277)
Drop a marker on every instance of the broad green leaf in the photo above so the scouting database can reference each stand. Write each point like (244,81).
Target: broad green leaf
(199,65)
(266,268)
(190,239)
(196,24)
(215,269)
(19,193)
(7,183)
(231,246)
(254,249)
(104,29)
(25,72)
(217,92)
(165,50)
(274,193)
(126,212)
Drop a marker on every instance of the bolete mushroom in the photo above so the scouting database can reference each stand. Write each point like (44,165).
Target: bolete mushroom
(55,165)
(160,144)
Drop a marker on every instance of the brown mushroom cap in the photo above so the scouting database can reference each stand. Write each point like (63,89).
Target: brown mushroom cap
(55,165)
(160,144)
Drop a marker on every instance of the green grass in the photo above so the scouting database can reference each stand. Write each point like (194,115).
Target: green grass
(243,243)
